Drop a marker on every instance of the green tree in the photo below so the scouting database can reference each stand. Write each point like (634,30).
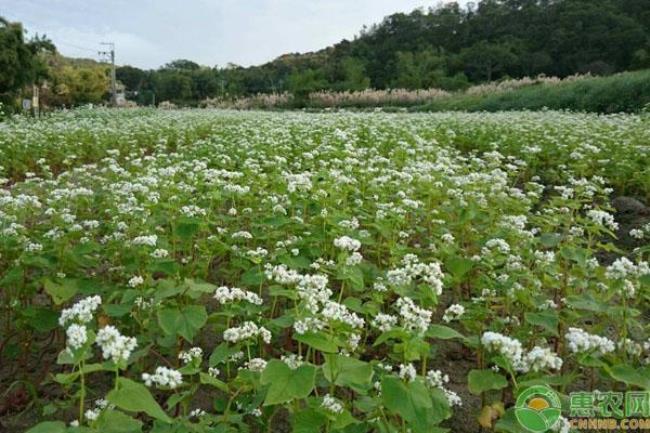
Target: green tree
(483,60)
(354,73)
(20,61)
(131,77)
(302,83)
(418,70)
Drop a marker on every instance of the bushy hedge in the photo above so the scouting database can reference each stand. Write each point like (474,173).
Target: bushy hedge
(624,92)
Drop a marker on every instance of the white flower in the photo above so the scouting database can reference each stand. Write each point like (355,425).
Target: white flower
(246,331)
(77,336)
(407,372)
(82,311)
(191,355)
(114,345)
(413,317)
(331,404)
(149,240)
(384,322)
(637,234)
(92,414)
(334,311)
(580,341)
(354,259)
(603,218)
(510,348)
(224,295)
(196,413)
(163,376)
(293,361)
(540,358)
(298,182)
(159,253)
(453,312)
(347,243)
(256,364)
(136,281)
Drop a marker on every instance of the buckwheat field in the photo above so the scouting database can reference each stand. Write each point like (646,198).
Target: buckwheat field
(216,271)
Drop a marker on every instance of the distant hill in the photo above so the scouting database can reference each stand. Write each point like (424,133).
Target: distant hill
(447,47)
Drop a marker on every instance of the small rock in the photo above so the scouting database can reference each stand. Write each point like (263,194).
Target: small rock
(625,204)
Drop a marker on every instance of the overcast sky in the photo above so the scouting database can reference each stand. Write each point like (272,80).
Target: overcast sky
(150,33)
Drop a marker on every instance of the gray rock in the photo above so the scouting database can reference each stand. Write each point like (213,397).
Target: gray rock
(625,204)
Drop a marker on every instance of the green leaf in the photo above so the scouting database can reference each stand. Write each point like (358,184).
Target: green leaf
(443,332)
(135,397)
(113,421)
(346,371)
(550,240)
(629,375)
(185,230)
(352,274)
(41,319)
(196,288)
(480,381)
(308,421)
(68,378)
(286,384)
(60,293)
(252,277)
(412,402)
(185,321)
(48,427)
(206,379)
(547,319)
(221,353)
(459,266)
(318,341)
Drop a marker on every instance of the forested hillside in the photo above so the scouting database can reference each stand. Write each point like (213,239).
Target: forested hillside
(448,47)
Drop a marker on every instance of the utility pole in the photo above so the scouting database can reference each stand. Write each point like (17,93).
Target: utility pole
(111,55)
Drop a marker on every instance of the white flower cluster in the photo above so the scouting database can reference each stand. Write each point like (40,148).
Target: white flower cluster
(136,281)
(579,340)
(347,243)
(311,288)
(307,324)
(150,240)
(509,348)
(245,331)
(436,379)
(339,312)
(384,322)
(114,345)
(292,360)
(603,218)
(81,312)
(191,355)
(497,244)
(354,259)
(163,376)
(453,312)
(541,358)
(407,372)
(298,182)
(412,268)
(255,364)
(76,337)
(224,295)
(331,404)
(413,318)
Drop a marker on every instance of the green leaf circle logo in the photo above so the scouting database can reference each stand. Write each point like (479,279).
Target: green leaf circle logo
(538,408)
